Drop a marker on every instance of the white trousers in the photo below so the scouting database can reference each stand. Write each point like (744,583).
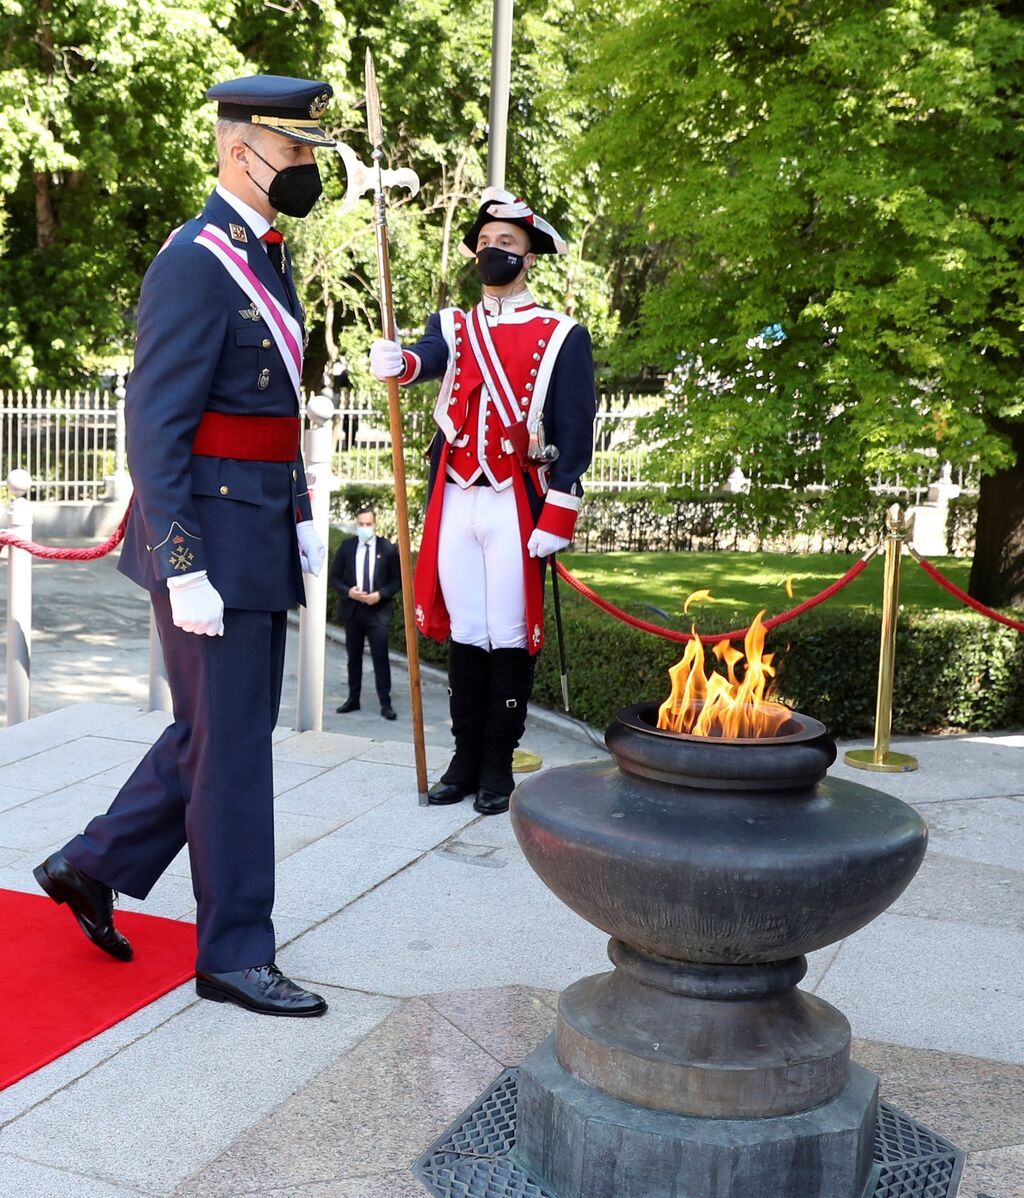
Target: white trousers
(480,567)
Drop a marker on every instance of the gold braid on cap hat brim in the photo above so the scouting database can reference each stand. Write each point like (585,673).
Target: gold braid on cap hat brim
(310,129)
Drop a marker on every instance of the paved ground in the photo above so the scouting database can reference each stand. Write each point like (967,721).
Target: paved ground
(441,953)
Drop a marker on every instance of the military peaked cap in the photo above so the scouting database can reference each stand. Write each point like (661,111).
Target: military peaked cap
(291,107)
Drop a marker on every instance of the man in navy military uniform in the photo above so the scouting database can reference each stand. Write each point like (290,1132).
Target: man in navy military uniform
(220,533)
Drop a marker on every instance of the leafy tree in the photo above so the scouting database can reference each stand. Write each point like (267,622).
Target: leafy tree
(851,172)
(106,144)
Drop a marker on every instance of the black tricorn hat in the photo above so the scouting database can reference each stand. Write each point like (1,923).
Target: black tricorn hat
(504,206)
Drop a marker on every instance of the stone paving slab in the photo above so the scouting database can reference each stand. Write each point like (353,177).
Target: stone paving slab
(153,1114)
(326,876)
(37,1087)
(48,818)
(986,830)
(951,888)
(933,983)
(359,788)
(67,763)
(55,727)
(27,1179)
(998,1173)
(448,922)
(950,768)
(365,1115)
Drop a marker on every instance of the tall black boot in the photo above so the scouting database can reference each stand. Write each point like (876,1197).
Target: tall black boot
(511,684)
(469,671)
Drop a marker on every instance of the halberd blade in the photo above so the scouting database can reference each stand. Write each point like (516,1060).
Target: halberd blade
(374,128)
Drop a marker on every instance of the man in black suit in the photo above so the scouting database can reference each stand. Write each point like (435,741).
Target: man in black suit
(367,575)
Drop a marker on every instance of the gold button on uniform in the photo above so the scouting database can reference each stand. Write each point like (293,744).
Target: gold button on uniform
(266,343)
(224,490)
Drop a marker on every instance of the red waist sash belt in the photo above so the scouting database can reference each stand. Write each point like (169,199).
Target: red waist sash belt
(250,438)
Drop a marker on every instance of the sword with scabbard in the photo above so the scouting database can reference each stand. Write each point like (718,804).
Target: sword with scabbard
(563,665)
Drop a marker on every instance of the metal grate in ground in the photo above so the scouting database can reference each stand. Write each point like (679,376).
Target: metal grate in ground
(470,1160)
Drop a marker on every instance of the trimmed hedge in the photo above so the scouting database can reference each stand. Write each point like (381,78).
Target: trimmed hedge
(954,672)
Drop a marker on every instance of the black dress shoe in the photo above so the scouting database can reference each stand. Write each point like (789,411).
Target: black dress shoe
(489,802)
(443,793)
(91,903)
(347,706)
(264,988)
(388,712)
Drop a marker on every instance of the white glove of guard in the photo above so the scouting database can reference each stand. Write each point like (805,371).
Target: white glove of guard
(196,605)
(311,548)
(386,361)
(542,543)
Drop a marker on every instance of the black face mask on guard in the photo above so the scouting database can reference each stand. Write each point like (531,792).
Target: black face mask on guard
(497,267)
(293,190)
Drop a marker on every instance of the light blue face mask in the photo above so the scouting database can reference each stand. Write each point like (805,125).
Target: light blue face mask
(365,533)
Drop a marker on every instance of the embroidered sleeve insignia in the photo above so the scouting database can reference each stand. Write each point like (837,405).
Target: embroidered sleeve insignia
(238,233)
(181,559)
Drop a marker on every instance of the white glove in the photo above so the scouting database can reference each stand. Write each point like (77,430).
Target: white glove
(386,361)
(542,543)
(196,605)
(311,548)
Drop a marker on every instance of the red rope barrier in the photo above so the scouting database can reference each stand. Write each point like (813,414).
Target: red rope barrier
(953,589)
(70,555)
(670,634)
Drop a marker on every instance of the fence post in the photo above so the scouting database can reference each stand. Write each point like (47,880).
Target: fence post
(159,687)
(19,600)
(881,758)
(319,447)
(120,484)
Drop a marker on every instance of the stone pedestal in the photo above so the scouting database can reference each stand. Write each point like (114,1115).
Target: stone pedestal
(697,1068)
(587,1145)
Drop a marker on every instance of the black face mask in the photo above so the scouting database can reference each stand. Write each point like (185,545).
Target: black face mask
(293,190)
(498,267)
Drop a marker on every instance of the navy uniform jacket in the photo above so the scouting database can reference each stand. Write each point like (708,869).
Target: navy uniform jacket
(196,352)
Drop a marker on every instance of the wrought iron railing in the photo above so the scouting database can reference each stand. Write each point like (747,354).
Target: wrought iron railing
(72,443)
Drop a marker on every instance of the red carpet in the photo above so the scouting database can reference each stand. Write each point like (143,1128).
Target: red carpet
(67,989)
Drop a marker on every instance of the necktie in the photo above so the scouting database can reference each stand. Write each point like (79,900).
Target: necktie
(366,568)
(274,241)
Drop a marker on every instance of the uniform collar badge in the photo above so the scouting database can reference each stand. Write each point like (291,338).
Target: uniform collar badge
(238,233)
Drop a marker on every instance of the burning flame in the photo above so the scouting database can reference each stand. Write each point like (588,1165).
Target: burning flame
(703,705)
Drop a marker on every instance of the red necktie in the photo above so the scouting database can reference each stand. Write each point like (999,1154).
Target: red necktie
(274,241)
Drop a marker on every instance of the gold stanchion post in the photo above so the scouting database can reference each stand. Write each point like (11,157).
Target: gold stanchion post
(881,758)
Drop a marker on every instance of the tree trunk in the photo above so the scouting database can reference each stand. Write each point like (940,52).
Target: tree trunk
(46,222)
(997,572)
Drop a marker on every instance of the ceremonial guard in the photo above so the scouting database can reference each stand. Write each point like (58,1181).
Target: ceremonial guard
(515,416)
(220,533)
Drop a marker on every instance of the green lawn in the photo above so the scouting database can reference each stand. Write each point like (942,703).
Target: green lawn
(746,582)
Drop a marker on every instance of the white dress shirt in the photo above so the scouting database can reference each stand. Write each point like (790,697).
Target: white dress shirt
(370,547)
